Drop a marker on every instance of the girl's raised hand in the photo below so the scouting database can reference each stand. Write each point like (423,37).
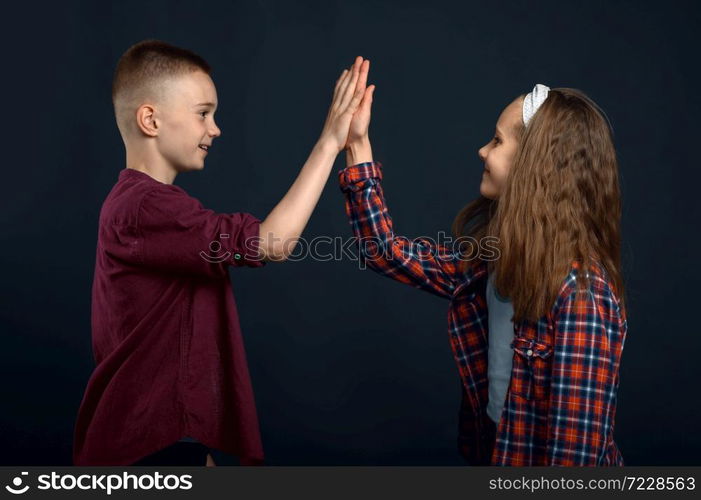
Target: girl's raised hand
(358,132)
(347,95)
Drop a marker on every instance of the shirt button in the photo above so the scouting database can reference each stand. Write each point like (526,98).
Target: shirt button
(530,352)
(237,256)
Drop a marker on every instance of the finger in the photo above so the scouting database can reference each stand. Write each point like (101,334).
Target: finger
(356,101)
(352,70)
(363,109)
(344,86)
(363,77)
(360,88)
(349,91)
(366,105)
(337,92)
(339,81)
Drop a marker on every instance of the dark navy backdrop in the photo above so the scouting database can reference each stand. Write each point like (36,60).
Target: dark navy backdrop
(348,367)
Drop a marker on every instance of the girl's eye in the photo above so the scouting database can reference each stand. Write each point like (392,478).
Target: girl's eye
(496,140)
(203,113)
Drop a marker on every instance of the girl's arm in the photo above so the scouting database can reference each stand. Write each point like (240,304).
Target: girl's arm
(589,335)
(420,262)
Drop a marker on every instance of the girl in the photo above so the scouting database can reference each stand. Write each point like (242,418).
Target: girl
(537,326)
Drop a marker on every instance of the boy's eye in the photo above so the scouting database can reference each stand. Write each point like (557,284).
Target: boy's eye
(203,113)
(496,139)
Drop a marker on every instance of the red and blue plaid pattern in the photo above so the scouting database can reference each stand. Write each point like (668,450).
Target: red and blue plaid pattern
(561,403)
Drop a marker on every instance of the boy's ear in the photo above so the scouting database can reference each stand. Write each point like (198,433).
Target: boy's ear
(146,121)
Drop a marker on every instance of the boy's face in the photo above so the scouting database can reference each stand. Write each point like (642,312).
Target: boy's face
(498,154)
(186,119)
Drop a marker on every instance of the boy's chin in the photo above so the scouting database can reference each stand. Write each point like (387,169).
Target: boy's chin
(191,168)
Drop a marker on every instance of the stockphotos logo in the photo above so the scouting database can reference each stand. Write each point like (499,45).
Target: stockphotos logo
(102,482)
(16,488)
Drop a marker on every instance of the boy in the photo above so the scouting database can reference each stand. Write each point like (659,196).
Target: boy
(165,331)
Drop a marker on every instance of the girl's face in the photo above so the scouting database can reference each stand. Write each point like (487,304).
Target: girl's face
(498,154)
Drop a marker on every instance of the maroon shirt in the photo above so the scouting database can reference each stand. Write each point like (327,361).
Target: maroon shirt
(165,330)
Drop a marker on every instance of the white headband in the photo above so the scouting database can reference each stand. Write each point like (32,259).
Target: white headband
(533,101)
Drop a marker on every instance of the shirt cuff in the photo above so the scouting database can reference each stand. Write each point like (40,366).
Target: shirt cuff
(247,252)
(352,177)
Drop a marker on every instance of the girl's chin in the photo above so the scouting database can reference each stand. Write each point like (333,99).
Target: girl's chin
(486,191)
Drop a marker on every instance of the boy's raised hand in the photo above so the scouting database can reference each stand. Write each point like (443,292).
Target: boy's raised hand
(347,96)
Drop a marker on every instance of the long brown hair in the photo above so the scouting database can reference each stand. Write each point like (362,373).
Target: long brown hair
(561,203)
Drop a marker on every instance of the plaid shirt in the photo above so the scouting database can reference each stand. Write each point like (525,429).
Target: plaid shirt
(560,406)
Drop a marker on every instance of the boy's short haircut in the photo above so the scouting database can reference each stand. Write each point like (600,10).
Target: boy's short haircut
(143,68)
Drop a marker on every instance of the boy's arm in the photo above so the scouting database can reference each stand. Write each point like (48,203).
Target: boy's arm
(281,229)
(173,232)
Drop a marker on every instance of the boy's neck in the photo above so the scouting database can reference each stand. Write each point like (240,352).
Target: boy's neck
(160,177)
(156,168)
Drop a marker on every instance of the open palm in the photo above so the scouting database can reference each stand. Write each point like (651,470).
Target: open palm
(360,123)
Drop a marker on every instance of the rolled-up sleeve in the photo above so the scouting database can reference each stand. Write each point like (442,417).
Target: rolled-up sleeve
(174,232)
